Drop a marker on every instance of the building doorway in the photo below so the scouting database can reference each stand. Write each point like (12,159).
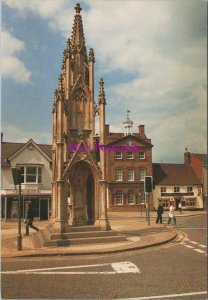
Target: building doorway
(177,201)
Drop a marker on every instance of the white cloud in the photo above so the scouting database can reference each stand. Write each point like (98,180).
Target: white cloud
(44,8)
(12,66)
(12,133)
(162,44)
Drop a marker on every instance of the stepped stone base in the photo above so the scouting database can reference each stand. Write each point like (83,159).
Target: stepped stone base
(76,235)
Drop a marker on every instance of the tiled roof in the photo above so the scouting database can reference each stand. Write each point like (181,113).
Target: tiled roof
(202,157)
(8,149)
(174,174)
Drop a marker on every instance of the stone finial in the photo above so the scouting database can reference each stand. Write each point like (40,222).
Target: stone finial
(78,8)
(77,38)
(91,55)
(101,97)
(68,47)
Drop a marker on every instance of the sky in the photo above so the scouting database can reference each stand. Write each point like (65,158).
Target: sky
(152,56)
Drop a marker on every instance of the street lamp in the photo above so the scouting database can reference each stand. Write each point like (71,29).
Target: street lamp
(16,173)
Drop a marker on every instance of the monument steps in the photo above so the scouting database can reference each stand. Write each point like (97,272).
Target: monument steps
(74,235)
(48,238)
(83,241)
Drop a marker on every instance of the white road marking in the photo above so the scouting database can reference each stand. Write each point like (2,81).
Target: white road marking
(188,246)
(120,267)
(125,267)
(199,250)
(167,296)
(193,242)
(203,246)
(204,228)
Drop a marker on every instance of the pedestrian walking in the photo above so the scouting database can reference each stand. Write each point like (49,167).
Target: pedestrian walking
(171,215)
(180,207)
(159,213)
(29,219)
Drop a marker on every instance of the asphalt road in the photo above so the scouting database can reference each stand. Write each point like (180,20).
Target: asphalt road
(175,269)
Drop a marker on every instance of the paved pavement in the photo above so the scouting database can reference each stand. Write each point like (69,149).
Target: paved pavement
(132,224)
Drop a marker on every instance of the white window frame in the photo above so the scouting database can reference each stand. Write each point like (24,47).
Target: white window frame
(163,189)
(189,189)
(119,198)
(143,198)
(190,202)
(131,198)
(143,157)
(165,202)
(176,189)
(129,155)
(118,155)
(142,176)
(119,175)
(130,174)
(37,175)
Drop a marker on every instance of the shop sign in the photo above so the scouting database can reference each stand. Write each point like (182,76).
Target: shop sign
(26,192)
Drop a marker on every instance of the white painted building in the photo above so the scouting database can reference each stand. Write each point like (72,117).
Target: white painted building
(175,183)
(34,161)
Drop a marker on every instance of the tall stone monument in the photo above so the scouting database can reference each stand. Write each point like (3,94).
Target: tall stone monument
(78,170)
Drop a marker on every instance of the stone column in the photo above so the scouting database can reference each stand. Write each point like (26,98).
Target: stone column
(104,223)
(60,184)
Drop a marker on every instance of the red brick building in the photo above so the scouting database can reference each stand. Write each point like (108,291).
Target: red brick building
(127,166)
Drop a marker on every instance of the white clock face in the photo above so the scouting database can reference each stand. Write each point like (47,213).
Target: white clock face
(130,142)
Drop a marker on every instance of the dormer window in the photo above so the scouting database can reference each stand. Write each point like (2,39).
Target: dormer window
(31,174)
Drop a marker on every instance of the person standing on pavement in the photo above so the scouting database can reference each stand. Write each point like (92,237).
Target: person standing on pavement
(171,214)
(29,219)
(159,213)
(180,207)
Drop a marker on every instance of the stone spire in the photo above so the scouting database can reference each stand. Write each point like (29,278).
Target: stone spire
(101,97)
(77,39)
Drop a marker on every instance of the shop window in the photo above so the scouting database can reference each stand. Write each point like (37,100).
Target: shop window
(142,198)
(31,174)
(191,202)
(165,203)
(119,198)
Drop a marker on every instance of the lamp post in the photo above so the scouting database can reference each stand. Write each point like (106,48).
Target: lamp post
(17,181)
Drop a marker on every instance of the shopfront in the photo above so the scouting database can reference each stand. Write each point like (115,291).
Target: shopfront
(41,204)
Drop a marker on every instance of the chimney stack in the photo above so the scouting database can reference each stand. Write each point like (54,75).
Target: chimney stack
(107,129)
(187,157)
(141,129)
